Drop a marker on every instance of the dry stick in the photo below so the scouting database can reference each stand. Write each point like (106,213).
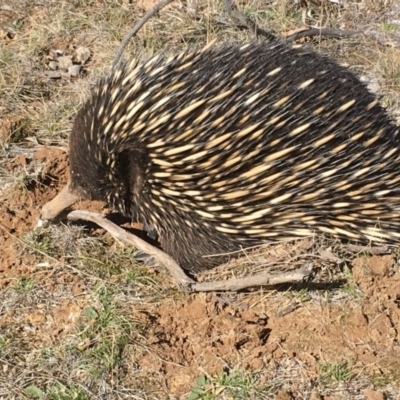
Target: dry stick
(338,33)
(176,271)
(374,250)
(297,275)
(137,27)
(237,16)
(181,279)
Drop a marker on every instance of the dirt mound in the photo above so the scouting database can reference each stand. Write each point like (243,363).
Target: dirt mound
(200,335)
(19,211)
(20,207)
(208,334)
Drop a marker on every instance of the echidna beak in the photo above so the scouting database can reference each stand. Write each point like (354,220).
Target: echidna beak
(63,200)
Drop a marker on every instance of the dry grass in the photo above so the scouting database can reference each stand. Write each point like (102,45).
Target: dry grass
(68,324)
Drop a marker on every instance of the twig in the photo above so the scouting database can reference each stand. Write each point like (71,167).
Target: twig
(297,275)
(181,279)
(289,309)
(374,250)
(137,27)
(176,271)
(239,17)
(338,33)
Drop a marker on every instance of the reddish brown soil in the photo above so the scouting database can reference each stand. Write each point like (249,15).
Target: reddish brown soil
(188,337)
(202,333)
(19,213)
(20,207)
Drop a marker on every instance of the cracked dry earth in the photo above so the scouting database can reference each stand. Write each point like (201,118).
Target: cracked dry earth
(192,334)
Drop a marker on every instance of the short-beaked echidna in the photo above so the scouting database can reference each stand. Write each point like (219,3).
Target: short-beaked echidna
(233,146)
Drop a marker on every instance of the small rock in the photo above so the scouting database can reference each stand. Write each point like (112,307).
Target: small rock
(64,62)
(315,395)
(374,87)
(74,70)
(65,75)
(371,394)
(53,65)
(372,84)
(53,74)
(327,254)
(81,54)
(54,54)
(7,33)
(283,395)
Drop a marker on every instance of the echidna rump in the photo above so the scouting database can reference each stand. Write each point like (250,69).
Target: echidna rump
(233,146)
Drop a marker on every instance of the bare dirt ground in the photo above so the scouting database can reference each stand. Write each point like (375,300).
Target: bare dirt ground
(80,319)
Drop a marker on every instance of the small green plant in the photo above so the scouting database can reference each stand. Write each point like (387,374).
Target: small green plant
(388,26)
(101,261)
(6,57)
(303,295)
(24,284)
(338,372)
(19,131)
(40,241)
(381,380)
(352,289)
(104,334)
(202,390)
(35,392)
(236,384)
(18,24)
(57,391)
(3,343)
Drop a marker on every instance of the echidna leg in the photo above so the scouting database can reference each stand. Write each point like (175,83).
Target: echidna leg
(62,201)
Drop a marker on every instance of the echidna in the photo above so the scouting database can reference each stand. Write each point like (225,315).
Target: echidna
(232,146)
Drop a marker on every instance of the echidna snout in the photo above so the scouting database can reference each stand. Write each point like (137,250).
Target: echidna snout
(63,200)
